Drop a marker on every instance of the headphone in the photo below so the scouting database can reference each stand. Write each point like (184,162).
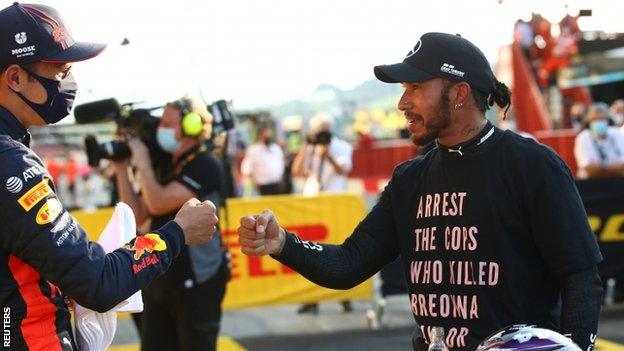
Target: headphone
(192,123)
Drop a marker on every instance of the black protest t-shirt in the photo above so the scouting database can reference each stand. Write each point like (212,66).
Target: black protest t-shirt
(485,232)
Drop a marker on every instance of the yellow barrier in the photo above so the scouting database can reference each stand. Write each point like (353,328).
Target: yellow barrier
(224,343)
(606,345)
(260,281)
(93,222)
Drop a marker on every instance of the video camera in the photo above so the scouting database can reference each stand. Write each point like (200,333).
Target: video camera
(136,123)
(130,123)
(222,117)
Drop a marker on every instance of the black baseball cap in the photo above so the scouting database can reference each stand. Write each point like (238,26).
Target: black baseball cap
(32,32)
(441,55)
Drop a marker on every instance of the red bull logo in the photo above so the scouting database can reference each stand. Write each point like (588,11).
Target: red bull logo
(146,243)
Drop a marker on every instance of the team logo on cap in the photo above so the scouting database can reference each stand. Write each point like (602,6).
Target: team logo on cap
(14,185)
(450,69)
(415,49)
(59,34)
(21,38)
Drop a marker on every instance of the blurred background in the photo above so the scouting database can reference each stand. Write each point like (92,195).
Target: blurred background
(283,63)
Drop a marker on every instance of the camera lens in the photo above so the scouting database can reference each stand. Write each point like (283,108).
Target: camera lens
(114,150)
(323,137)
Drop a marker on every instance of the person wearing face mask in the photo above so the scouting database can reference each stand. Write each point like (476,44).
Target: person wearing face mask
(599,147)
(264,163)
(45,255)
(182,309)
(617,112)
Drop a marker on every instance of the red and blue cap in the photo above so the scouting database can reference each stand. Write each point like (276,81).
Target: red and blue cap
(32,32)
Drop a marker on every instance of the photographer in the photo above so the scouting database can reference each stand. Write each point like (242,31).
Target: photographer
(325,161)
(182,308)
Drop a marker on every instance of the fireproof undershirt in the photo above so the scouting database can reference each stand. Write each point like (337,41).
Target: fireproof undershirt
(490,233)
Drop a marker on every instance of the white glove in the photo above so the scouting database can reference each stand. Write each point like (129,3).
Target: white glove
(95,331)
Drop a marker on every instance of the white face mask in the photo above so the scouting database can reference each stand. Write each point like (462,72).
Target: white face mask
(599,127)
(166,139)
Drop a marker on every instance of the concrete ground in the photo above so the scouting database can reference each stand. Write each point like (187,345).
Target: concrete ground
(281,328)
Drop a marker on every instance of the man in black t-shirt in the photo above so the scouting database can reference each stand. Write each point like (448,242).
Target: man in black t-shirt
(182,309)
(489,225)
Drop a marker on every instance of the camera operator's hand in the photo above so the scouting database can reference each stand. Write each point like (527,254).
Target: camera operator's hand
(140,154)
(261,235)
(121,166)
(323,151)
(198,220)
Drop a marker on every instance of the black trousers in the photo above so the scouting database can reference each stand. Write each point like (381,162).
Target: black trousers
(184,319)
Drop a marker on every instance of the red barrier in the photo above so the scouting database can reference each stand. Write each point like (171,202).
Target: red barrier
(562,141)
(380,160)
(531,113)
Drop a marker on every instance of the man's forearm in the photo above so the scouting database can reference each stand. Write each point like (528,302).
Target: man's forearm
(334,266)
(581,294)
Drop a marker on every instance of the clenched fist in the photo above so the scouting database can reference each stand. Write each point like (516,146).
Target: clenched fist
(198,220)
(261,235)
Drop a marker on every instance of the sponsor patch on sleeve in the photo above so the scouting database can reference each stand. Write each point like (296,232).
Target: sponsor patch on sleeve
(35,194)
(62,223)
(49,211)
(146,243)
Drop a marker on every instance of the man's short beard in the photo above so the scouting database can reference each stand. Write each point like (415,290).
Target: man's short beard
(441,121)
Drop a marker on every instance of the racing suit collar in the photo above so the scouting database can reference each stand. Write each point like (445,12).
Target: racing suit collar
(9,125)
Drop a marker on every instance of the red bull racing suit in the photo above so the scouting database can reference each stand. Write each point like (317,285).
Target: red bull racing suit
(45,255)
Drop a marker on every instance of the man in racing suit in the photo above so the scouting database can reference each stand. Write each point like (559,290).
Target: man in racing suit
(45,255)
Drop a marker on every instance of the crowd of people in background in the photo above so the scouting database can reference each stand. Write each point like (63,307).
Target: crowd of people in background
(318,160)
(268,157)
(547,53)
(308,159)
(78,184)
(272,157)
